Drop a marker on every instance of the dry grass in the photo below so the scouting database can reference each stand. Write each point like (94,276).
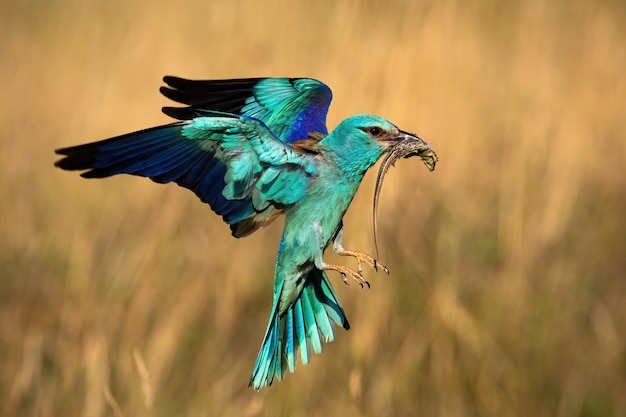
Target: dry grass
(120,297)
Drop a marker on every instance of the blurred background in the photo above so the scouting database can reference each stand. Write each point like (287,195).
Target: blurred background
(120,297)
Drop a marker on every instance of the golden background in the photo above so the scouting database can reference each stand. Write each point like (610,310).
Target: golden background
(120,297)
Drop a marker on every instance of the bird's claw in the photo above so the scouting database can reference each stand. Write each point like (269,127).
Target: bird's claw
(347,272)
(381,266)
(363,258)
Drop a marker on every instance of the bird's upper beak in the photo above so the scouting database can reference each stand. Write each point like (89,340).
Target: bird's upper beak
(407,145)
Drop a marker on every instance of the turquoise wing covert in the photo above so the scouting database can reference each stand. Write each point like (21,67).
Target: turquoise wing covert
(290,107)
(256,173)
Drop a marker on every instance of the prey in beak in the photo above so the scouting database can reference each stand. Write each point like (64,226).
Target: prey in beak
(406,145)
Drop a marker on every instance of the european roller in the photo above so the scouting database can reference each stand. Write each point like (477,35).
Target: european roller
(255,149)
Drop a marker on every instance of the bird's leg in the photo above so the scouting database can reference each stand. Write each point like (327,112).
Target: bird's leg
(361,257)
(345,273)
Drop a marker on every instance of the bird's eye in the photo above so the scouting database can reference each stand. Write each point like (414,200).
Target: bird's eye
(375,131)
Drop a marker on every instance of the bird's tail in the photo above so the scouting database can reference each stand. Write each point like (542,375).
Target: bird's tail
(305,326)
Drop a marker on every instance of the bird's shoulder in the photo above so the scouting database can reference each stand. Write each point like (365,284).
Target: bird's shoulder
(310,145)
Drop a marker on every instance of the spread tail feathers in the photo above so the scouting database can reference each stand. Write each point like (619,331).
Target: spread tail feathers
(307,324)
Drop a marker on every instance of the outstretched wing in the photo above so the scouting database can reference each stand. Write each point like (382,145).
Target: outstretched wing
(233,163)
(290,107)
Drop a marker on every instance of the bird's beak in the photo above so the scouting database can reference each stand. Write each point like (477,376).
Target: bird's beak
(407,145)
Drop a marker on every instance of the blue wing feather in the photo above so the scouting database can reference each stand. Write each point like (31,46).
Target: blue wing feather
(222,176)
(220,158)
(290,107)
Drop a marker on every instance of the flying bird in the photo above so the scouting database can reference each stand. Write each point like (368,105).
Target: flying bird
(255,149)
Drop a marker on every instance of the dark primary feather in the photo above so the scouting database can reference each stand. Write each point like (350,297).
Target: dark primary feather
(217,95)
(118,151)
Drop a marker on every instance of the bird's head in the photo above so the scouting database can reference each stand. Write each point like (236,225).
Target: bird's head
(362,139)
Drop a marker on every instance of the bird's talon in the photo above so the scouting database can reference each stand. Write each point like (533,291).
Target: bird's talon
(361,258)
(368,285)
(348,273)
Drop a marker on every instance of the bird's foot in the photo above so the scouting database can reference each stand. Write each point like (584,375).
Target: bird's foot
(363,258)
(347,272)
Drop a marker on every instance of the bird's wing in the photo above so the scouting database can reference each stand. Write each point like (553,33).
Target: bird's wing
(290,107)
(233,163)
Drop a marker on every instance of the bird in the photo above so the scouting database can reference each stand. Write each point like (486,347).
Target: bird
(255,149)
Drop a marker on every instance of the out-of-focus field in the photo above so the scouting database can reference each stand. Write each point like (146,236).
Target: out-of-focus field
(507,291)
